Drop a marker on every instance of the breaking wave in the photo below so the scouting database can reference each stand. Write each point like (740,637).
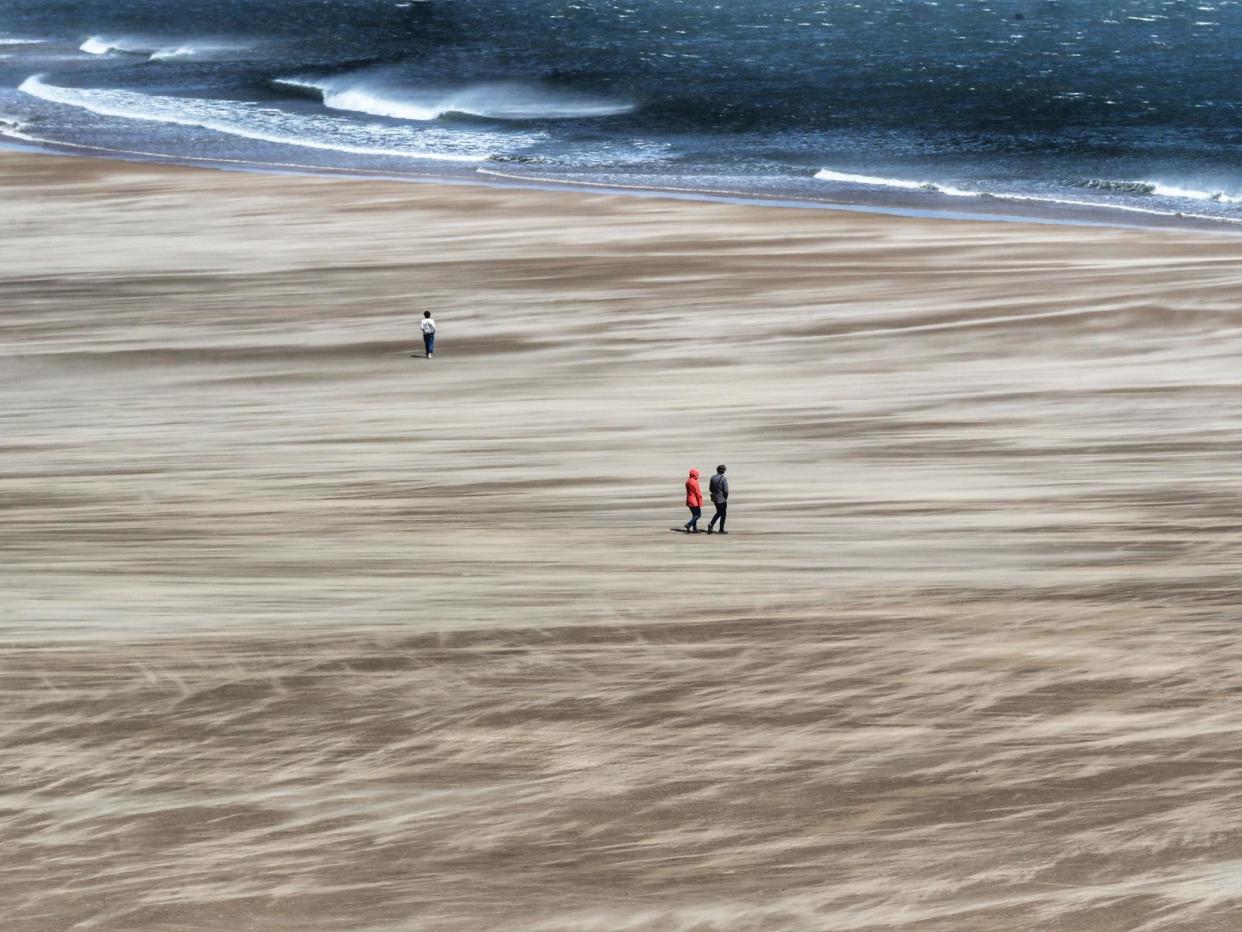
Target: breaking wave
(250,121)
(11,127)
(1159,189)
(1126,187)
(180,51)
(504,100)
(1117,187)
(876,181)
(1168,190)
(96,45)
(1140,188)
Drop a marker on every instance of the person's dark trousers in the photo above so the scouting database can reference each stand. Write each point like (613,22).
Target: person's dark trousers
(721,509)
(429,343)
(695,514)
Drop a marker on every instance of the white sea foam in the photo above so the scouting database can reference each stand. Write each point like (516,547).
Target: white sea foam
(195,49)
(98,46)
(13,129)
(1155,188)
(1159,189)
(1192,194)
(505,100)
(13,40)
(1107,205)
(248,120)
(178,52)
(1140,187)
(827,174)
(153,50)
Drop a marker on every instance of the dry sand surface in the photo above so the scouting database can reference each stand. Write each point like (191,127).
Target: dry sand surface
(302,633)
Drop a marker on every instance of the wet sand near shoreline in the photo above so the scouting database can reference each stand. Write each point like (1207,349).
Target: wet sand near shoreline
(300,632)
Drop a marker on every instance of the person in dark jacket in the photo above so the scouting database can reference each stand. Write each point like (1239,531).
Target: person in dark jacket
(694,501)
(718,488)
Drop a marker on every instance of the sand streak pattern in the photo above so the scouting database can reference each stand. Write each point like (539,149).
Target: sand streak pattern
(301,633)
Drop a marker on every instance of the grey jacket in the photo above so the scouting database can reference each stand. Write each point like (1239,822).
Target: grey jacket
(718,488)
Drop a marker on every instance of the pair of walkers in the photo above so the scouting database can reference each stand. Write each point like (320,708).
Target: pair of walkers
(717,490)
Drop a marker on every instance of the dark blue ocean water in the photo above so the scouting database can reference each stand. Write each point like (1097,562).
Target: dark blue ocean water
(1131,107)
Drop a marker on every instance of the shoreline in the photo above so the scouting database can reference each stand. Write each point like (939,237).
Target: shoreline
(1064,215)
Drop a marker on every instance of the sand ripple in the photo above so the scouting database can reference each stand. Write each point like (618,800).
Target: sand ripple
(299,633)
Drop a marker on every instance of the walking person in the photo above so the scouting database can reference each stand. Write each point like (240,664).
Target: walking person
(718,489)
(694,501)
(428,327)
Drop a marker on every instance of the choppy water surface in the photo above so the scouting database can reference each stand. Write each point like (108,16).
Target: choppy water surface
(967,106)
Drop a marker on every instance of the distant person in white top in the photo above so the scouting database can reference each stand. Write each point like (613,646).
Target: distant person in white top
(429,333)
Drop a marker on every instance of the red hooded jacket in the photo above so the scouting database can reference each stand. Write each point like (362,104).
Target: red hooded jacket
(694,495)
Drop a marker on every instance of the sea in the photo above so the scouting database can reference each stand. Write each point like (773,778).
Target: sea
(1112,111)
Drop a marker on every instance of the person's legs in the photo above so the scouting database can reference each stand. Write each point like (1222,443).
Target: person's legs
(723,509)
(693,524)
(431,344)
(427,344)
(716,517)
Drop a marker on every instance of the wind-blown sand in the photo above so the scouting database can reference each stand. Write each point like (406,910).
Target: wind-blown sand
(301,633)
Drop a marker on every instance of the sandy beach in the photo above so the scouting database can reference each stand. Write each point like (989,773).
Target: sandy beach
(299,632)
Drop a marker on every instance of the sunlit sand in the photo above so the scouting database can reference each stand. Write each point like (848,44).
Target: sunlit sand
(303,633)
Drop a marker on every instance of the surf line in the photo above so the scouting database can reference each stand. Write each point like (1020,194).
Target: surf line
(723,192)
(176,159)
(1147,211)
(17,134)
(751,196)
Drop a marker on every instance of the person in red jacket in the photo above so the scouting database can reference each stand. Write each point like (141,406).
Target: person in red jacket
(694,501)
